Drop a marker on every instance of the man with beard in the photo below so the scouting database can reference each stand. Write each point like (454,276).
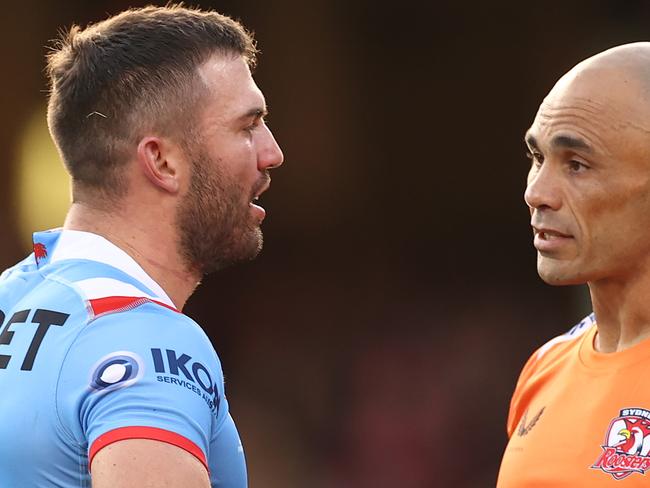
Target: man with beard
(580,414)
(161,127)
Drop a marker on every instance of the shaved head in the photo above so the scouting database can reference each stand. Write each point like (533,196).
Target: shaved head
(616,81)
(633,59)
(589,185)
(618,78)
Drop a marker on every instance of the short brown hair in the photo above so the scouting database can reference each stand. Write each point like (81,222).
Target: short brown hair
(130,73)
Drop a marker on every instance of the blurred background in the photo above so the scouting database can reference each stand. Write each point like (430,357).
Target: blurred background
(376,341)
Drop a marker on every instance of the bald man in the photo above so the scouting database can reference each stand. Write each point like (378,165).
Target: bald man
(580,414)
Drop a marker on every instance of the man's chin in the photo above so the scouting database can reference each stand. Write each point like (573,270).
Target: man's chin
(559,273)
(244,249)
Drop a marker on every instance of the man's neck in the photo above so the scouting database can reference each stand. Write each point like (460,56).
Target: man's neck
(622,311)
(151,242)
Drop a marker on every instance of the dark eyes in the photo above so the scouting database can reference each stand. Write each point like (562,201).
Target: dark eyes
(577,166)
(256,123)
(253,126)
(573,165)
(535,157)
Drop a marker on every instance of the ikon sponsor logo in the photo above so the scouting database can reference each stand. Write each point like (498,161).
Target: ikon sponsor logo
(183,371)
(116,370)
(627,445)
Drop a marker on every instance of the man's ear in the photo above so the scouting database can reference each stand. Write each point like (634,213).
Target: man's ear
(157,161)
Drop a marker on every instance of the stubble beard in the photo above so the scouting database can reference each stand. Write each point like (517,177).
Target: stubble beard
(214,222)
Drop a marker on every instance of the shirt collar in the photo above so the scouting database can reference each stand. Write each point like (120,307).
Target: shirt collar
(62,244)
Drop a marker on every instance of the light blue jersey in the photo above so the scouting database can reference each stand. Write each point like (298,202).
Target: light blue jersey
(92,351)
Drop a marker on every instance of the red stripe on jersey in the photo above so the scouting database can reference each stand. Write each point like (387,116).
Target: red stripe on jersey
(152,433)
(104,305)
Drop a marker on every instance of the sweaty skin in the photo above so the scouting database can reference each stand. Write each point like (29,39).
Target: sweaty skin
(589,189)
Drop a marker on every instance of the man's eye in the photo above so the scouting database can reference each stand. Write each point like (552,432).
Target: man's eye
(577,166)
(256,123)
(535,157)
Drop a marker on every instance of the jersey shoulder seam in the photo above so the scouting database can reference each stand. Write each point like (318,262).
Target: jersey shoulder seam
(572,334)
(69,285)
(90,317)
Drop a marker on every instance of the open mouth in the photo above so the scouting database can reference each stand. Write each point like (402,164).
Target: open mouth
(550,240)
(550,235)
(261,186)
(254,202)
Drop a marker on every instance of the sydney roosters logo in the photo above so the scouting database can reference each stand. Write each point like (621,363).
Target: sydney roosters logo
(40,251)
(627,444)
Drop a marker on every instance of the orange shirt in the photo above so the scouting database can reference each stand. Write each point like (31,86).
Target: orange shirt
(579,418)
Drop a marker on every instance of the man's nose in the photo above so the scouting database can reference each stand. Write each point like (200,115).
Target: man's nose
(543,189)
(270,155)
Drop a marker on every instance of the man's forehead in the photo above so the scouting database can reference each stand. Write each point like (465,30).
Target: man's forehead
(608,89)
(223,70)
(230,85)
(593,103)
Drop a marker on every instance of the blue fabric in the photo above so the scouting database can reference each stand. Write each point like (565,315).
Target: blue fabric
(68,377)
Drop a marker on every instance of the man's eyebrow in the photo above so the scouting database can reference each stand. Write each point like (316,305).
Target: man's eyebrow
(570,142)
(255,113)
(531,141)
(562,142)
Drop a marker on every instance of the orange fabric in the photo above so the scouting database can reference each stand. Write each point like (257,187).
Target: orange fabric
(579,418)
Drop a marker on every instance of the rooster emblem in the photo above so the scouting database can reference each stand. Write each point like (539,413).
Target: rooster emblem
(40,251)
(627,445)
(633,437)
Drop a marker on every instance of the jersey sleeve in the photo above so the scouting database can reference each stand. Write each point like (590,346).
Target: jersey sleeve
(517,402)
(147,373)
(542,358)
